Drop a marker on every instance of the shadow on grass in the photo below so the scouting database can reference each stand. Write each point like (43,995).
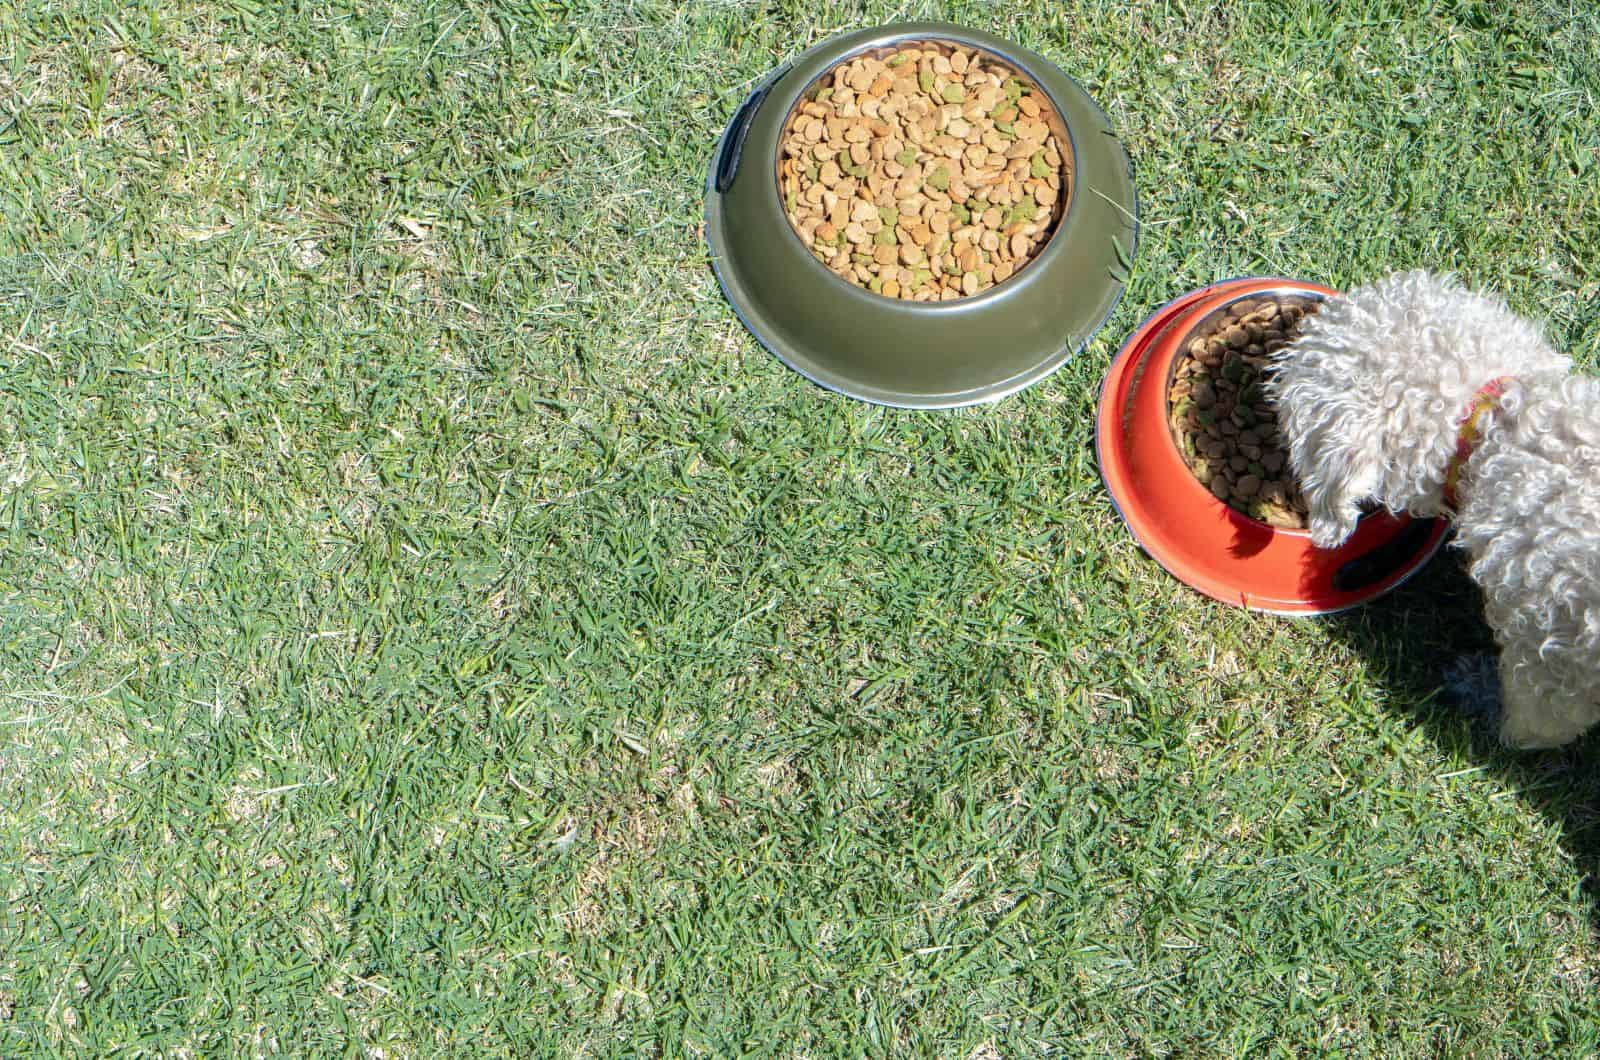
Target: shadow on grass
(1409,638)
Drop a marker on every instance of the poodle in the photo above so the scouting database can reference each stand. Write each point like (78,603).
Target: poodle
(1427,398)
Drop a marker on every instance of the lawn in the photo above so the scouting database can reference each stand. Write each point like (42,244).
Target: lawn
(431,625)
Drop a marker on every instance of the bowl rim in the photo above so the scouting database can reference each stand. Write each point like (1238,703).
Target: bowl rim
(1111,215)
(1147,341)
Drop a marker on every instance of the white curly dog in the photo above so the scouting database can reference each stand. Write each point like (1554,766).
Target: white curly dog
(1427,398)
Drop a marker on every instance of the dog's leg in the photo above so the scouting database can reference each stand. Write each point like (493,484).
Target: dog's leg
(1537,713)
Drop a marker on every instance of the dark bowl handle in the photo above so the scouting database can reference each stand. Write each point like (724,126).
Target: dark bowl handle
(1372,567)
(733,141)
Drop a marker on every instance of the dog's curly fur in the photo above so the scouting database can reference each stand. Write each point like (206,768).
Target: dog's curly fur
(1370,400)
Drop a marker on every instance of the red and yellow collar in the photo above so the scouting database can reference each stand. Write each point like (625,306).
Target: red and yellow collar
(1470,432)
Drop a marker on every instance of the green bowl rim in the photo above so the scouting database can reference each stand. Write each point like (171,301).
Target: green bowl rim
(887,35)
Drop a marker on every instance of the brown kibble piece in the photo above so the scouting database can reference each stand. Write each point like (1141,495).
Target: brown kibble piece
(1246,466)
(901,164)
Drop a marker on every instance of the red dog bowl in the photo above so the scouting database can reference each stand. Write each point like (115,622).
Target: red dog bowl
(1203,542)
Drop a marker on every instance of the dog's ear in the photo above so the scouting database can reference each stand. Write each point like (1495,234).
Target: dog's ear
(1337,474)
(1335,493)
(1332,522)
(1328,431)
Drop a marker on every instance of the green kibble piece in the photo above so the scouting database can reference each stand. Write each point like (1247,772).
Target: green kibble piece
(1233,369)
(885,237)
(898,59)
(1007,129)
(920,277)
(906,157)
(1014,90)
(792,201)
(939,179)
(925,81)
(1257,470)
(1021,212)
(875,285)
(954,94)
(1038,167)
(812,172)
(856,171)
(1207,416)
(822,96)
(889,215)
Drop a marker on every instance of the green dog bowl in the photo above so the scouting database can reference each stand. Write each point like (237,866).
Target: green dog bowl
(918,354)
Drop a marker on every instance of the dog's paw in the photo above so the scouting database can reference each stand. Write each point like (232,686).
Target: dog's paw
(1473,683)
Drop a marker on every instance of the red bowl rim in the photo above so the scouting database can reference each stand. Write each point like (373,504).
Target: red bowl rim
(1285,552)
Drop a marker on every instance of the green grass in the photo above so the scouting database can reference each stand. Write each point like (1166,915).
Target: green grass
(430,624)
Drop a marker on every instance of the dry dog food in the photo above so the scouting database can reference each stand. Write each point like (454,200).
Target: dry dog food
(1220,417)
(929,173)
